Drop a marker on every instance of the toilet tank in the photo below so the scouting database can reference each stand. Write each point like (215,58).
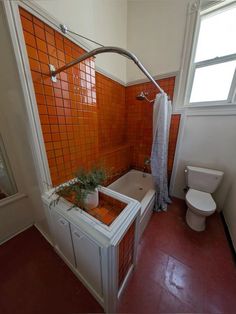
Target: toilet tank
(203,179)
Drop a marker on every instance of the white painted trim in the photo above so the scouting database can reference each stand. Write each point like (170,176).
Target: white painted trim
(191,45)
(12,199)
(156,77)
(43,233)
(125,282)
(190,33)
(214,6)
(210,112)
(16,233)
(177,153)
(110,76)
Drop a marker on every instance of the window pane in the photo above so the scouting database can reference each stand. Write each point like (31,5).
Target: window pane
(217,35)
(212,83)
(7,184)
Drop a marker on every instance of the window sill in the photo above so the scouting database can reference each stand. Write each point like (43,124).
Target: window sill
(212,105)
(12,199)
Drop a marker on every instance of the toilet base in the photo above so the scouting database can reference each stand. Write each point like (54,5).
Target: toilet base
(195,222)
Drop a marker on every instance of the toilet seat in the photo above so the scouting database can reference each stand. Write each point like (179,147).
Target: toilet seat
(200,202)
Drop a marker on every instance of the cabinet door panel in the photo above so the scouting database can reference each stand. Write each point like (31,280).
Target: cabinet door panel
(63,236)
(87,255)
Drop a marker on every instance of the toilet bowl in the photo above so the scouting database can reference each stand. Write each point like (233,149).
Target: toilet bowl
(200,205)
(201,183)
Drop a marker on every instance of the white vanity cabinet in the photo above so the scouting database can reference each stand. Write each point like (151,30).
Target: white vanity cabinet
(102,255)
(62,236)
(88,260)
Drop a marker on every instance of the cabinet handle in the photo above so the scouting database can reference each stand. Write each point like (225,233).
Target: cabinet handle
(62,222)
(77,235)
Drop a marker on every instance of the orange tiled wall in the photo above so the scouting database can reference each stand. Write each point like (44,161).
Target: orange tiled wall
(87,118)
(76,125)
(139,121)
(111,112)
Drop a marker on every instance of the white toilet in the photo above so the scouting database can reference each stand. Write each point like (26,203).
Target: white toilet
(201,183)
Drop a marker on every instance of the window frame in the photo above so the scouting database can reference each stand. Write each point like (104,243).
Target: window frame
(231,100)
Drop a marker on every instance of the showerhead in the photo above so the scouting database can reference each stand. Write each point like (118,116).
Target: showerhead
(141,96)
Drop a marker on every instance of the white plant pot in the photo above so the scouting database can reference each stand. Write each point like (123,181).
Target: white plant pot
(92,200)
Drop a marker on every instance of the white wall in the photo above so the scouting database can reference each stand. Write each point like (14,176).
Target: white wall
(153,30)
(155,33)
(104,21)
(208,141)
(14,128)
(230,209)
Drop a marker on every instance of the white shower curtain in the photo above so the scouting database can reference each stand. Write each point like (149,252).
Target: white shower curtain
(161,123)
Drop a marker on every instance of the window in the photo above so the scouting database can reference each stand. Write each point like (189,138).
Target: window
(213,74)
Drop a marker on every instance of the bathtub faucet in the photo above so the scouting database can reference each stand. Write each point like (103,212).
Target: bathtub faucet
(146,163)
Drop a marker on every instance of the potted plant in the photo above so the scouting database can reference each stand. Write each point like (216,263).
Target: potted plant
(82,191)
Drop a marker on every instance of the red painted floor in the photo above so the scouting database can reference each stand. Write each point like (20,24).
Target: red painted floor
(178,271)
(34,280)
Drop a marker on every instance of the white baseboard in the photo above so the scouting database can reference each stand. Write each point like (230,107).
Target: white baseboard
(15,234)
(43,234)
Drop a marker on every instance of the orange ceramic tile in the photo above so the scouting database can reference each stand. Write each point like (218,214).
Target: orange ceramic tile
(53,119)
(32,52)
(50,100)
(36,21)
(29,39)
(49,29)
(38,88)
(50,39)
(42,109)
(24,13)
(88,119)
(52,51)
(48,91)
(52,111)
(44,119)
(59,44)
(43,57)
(139,120)
(34,65)
(41,100)
(47,137)
(126,251)
(41,45)
(27,25)
(39,32)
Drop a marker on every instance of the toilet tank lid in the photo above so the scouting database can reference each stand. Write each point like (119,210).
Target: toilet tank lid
(205,170)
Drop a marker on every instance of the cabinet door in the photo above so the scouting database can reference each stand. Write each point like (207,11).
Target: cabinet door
(62,236)
(88,260)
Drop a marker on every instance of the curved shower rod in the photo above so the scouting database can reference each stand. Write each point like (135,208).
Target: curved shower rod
(99,50)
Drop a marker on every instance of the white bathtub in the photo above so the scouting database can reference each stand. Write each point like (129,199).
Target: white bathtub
(139,187)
